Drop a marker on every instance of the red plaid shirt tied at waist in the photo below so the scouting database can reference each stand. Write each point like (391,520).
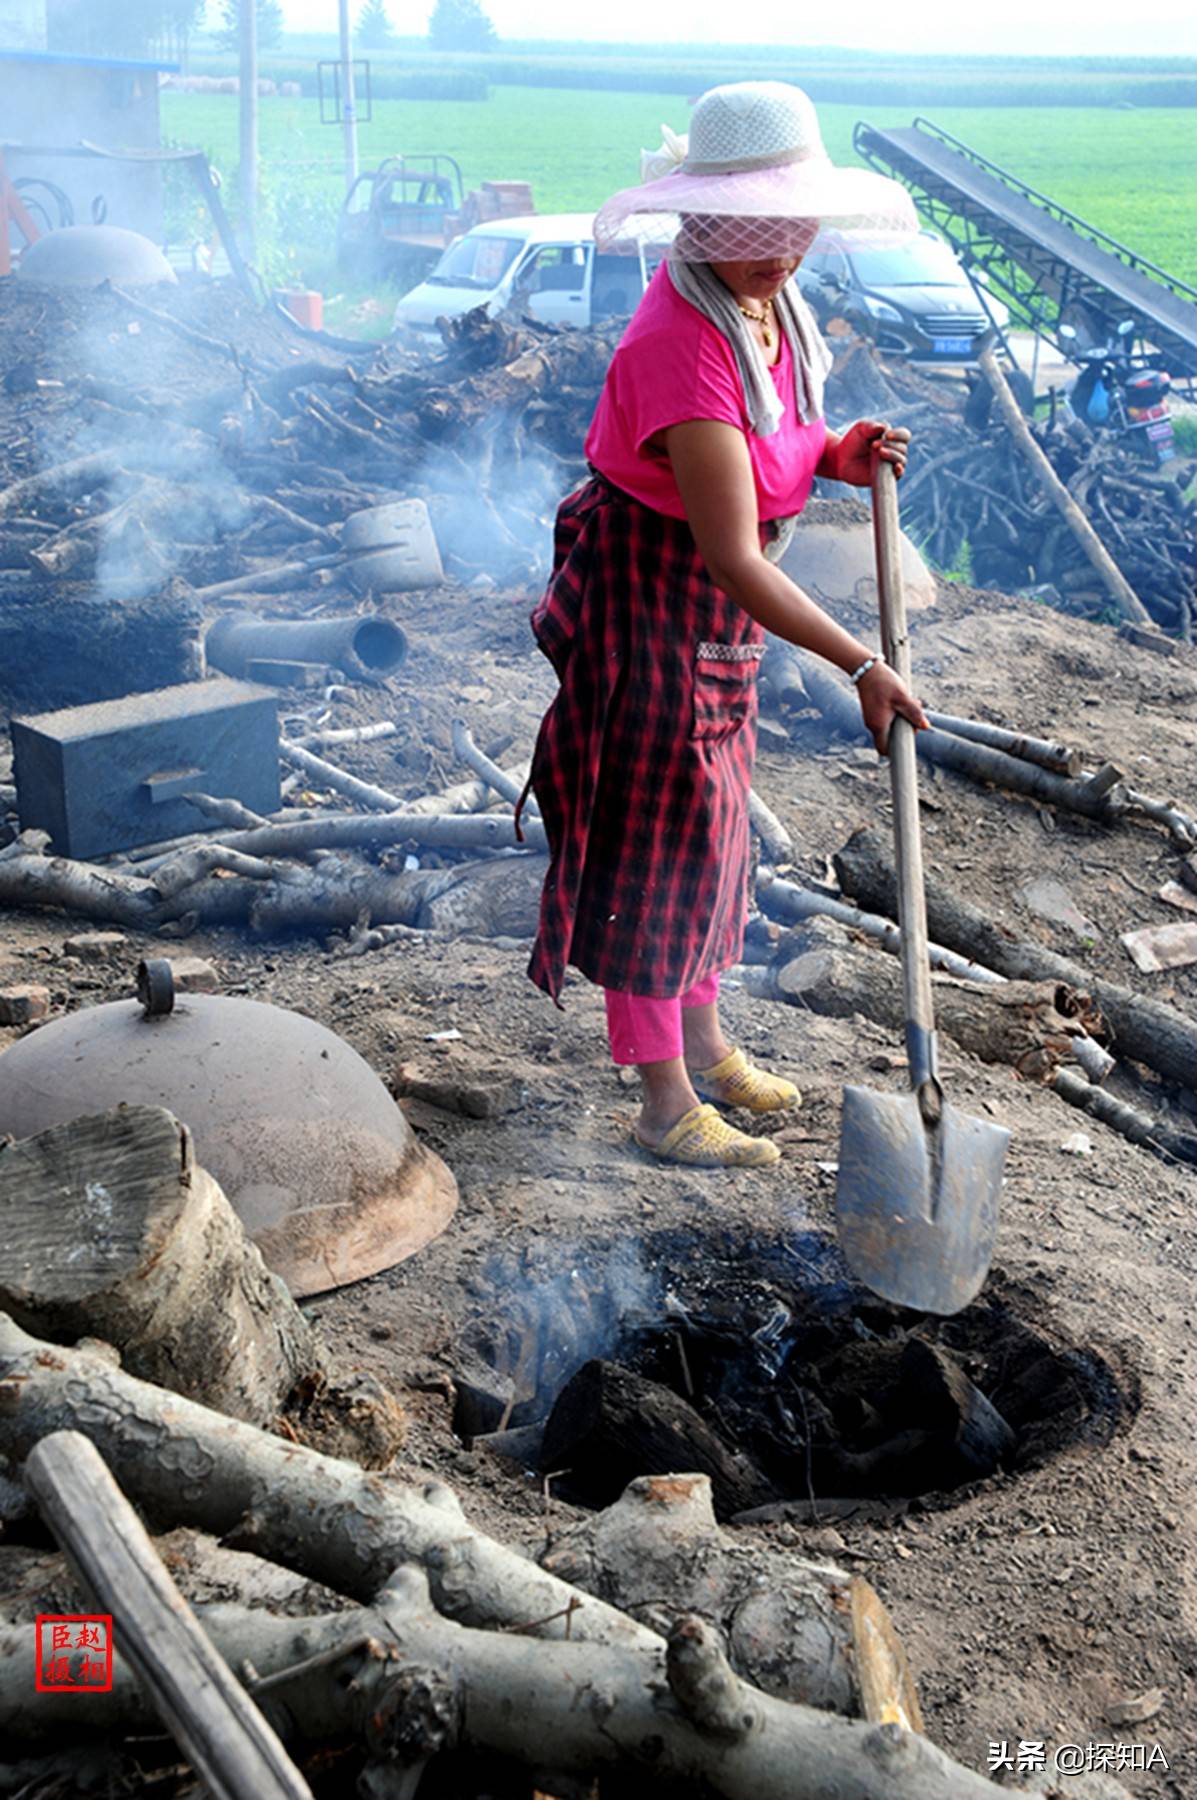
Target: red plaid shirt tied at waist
(644,759)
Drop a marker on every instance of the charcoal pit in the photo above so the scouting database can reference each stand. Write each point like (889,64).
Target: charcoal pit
(761,1364)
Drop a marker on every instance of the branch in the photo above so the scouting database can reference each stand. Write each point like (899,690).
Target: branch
(603,1693)
(499,779)
(221,1732)
(493,831)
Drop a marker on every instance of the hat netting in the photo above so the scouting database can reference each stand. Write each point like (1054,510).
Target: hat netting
(755,183)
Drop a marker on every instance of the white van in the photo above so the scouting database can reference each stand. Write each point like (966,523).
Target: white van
(547,264)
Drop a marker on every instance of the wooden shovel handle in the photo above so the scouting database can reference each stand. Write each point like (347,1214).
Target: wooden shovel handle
(903,767)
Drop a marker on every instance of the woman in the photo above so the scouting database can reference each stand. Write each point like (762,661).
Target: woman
(704,445)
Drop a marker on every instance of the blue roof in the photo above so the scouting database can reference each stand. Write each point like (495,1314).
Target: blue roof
(93,62)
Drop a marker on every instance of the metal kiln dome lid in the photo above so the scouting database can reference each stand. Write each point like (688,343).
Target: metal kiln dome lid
(320,1164)
(82,256)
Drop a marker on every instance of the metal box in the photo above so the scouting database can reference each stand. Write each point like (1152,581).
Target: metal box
(111,775)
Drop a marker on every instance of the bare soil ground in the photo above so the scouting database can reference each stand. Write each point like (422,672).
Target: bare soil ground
(1032,1604)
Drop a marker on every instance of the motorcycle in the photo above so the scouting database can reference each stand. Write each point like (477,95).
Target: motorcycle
(1118,394)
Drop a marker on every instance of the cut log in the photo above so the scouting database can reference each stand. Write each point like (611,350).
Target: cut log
(1015,1022)
(28,878)
(787,1622)
(776,841)
(220,1731)
(74,476)
(943,1395)
(466,796)
(176,873)
(676,1715)
(609,1425)
(1146,1030)
(342,891)
(109,1229)
(328,775)
(496,898)
(508,786)
(782,900)
(1102,796)
(520,1694)
(494,831)
(333,897)
(205,1572)
(1131,1122)
(324,1517)
(347,734)
(1062,759)
(790,904)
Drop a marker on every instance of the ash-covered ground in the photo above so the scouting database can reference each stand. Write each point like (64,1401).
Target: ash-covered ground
(1033,1604)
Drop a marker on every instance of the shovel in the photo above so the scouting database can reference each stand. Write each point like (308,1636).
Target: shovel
(390,548)
(917,1193)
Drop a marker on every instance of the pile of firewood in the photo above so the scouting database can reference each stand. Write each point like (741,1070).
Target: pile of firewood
(972,504)
(364,1632)
(212,460)
(976,491)
(243,461)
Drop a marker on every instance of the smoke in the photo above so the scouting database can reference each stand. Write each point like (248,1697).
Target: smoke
(493,504)
(162,493)
(554,1308)
(549,1322)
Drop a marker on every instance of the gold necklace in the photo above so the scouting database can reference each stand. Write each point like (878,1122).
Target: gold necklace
(763,319)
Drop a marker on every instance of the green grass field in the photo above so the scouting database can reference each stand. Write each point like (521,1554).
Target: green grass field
(1133,173)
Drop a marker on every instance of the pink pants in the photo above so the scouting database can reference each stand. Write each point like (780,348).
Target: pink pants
(645,1031)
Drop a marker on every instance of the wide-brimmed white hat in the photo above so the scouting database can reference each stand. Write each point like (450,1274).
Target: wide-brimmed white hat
(752,181)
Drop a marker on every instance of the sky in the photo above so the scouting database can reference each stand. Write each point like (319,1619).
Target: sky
(1106,27)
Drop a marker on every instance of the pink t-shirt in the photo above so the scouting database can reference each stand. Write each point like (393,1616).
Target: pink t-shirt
(673,365)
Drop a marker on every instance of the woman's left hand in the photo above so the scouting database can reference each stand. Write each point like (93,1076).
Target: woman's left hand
(861,442)
(882,697)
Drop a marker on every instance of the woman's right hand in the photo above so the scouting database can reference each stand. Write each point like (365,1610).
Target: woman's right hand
(882,696)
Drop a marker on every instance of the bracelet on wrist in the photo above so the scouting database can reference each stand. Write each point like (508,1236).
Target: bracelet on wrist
(870,662)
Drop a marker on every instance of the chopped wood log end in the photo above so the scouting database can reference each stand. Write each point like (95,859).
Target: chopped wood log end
(354,1418)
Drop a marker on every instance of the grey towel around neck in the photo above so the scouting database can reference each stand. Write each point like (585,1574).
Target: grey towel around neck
(699,284)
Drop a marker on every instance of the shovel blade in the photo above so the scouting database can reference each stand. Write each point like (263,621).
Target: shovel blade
(916,1205)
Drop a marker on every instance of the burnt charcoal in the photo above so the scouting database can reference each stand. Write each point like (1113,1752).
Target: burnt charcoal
(609,1425)
(76,646)
(955,1409)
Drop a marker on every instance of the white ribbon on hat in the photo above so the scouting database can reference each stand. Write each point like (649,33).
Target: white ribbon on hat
(671,155)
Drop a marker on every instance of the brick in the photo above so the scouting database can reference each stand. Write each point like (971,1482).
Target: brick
(96,946)
(193,975)
(24,1004)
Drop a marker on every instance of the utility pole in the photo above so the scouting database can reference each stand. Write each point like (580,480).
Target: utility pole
(248,84)
(348,105)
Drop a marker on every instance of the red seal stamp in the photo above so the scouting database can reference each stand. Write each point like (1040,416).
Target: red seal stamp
(74,1653)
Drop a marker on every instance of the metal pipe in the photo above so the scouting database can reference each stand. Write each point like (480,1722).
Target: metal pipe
(248,94)
(365,648)
(348,101)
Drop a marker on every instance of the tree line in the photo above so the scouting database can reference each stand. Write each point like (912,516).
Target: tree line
(166,28)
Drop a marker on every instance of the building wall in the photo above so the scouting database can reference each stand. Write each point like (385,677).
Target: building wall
(61,103)
(22,24)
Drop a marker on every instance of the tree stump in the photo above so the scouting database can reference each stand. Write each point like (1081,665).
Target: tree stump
(108,1229)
